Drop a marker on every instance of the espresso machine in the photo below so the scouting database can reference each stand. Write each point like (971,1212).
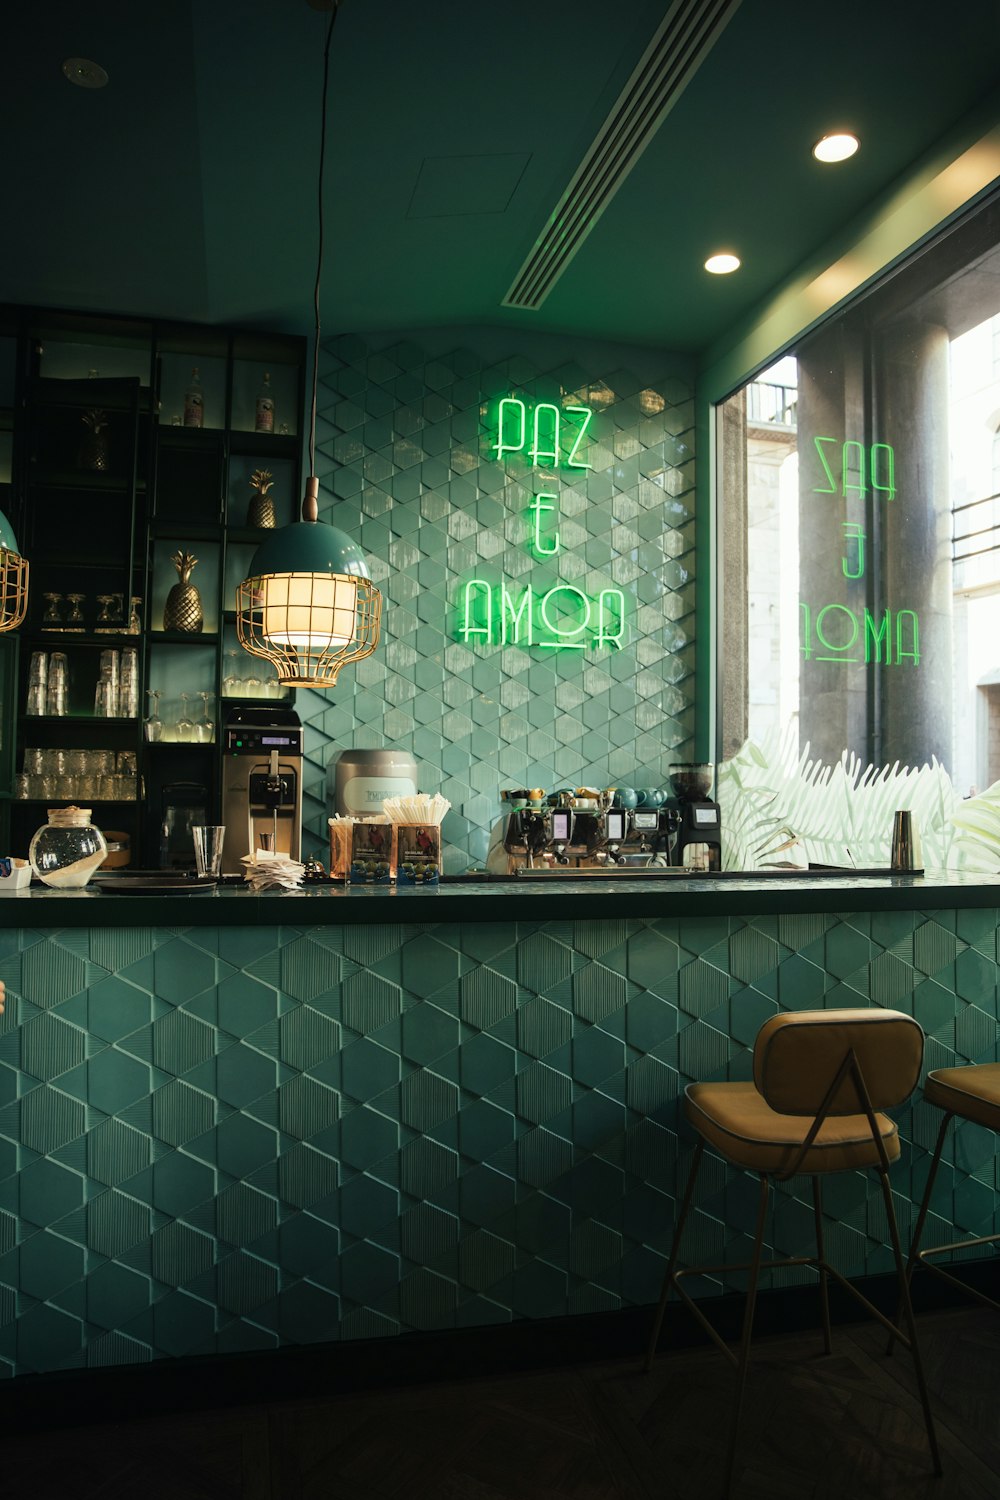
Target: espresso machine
(573,835)
(617,831)
(261,783)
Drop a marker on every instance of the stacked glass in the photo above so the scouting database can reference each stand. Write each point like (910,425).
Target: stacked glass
(38,676)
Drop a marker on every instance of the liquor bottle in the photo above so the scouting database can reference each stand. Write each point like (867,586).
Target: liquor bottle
(264,415)
(194,401)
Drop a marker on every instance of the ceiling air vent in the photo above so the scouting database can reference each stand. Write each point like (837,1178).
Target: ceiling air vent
(682,41)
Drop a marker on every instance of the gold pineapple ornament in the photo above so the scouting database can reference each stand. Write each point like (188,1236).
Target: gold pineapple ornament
(93,452)
(260,511)
(183,609)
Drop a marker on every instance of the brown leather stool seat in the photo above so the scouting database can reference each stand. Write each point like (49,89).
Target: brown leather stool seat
(822,1081)
(972,1093)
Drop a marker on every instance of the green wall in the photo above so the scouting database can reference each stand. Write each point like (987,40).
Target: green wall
(408,469)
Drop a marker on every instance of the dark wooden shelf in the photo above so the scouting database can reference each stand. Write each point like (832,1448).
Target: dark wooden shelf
(182,638)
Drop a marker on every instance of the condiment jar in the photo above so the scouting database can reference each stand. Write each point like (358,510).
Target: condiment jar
(67,850)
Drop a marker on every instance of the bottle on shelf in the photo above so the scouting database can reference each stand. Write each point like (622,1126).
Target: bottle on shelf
(194,401)
(264,410)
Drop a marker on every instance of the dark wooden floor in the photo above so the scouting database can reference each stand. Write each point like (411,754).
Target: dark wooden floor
(845,1427)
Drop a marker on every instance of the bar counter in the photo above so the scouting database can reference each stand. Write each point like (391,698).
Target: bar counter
(232,1122)
(507,900)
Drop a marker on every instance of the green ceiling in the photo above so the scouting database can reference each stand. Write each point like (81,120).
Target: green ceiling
(187,187)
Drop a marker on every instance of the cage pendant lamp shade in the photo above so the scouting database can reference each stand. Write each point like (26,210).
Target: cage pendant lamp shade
(13,579)
(309,605)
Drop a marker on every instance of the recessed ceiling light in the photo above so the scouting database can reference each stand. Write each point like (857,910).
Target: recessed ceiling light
(836,147)
(723,263)
(84,73)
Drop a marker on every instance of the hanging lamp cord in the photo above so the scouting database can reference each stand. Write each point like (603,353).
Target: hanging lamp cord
(310,506)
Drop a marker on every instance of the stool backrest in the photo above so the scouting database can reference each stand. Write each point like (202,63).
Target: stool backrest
(797,1056)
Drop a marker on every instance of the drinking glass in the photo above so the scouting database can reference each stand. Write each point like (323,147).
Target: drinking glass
(154,724)
(128,684)
(104,602)
(135,615)
(38,677)
(185,724)
(58,683)
(208,841)
(52,619)
(74,620)
(231,682)
(105,697)
(204,729)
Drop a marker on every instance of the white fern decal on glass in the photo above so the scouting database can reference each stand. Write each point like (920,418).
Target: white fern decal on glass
(779,806)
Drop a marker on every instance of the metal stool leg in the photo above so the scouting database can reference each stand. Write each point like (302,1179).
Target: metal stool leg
(918,1230)
(824,1293)
(910,1325)
(744,1356)
(661,1306)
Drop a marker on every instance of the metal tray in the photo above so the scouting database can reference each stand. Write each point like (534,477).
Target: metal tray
(155,883)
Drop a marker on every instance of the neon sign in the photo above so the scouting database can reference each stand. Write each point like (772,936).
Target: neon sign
(836,632)
(547,428)
(834,635)
(858,464)
(561,619)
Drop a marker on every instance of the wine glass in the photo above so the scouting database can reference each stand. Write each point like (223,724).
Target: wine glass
(104,603)
(52,619)
(185,724)
(231,681)
(204,727)
(135,616)
(74,620)
(154,724)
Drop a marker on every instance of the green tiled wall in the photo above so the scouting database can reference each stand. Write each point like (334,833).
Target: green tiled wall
(248,1137)
(406,468)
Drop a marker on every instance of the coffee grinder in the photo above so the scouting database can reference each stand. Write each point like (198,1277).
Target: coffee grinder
(261,783)
(698,840)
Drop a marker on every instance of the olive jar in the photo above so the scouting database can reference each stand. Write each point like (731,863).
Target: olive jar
(67,850)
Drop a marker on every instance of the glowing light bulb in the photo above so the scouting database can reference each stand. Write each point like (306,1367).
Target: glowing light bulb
(836,147)
(722,263)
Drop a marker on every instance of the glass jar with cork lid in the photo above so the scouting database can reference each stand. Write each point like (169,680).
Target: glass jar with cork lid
(66,850)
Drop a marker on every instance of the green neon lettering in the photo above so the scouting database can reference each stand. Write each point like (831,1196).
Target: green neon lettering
(564,640)
(605,635)
(538,507)
(833,645)
(523,608)
(913,654)
(888,489)
(538,453)
(855,532)
(519,417)
(831,488)
(468,627)
(587,415)
(859,487)
(805,621)
(876,638)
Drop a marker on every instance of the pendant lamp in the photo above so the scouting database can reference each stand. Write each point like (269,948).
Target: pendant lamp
(13,579)
(309,605)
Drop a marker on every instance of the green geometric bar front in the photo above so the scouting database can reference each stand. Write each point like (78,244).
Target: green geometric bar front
(219,1139)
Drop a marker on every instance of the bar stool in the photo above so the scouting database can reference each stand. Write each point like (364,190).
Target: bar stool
(820,1082)
(973,1093)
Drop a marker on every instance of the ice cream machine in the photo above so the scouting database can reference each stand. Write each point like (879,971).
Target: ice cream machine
(261,783)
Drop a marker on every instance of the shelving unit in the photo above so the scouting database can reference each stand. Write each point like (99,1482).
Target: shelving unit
(104,484)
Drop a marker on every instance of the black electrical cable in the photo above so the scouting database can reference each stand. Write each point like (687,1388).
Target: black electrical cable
(319,247)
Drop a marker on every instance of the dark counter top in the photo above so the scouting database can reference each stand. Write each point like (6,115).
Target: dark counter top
(514,901)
